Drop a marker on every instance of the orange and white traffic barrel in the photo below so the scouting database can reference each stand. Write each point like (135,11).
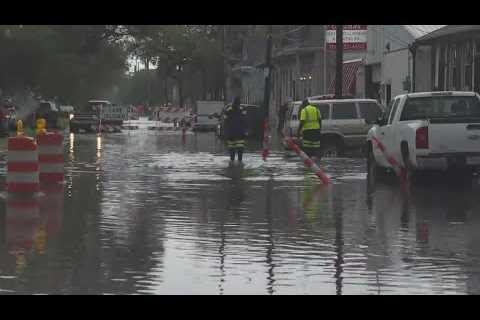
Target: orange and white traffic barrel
(307,161)
(22,165)
(50,157)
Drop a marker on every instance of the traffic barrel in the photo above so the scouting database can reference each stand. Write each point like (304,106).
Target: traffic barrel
(50,157)
(22,165)
(399,169)
(308,162)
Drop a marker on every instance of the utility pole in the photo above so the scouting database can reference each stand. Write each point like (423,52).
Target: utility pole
(413,51)
(325,61)
(339,66)
(268,71)
(225,60)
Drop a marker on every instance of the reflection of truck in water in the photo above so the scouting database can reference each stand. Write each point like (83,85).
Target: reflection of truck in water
(97,115)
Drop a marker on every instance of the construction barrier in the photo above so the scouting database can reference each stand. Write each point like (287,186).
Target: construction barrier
(307,161)
(22,165)
(50,157)
(399,170)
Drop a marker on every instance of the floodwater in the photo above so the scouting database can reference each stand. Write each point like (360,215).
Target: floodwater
(144,213)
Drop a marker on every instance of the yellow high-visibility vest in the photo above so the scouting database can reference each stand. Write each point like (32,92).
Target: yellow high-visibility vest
(312,117)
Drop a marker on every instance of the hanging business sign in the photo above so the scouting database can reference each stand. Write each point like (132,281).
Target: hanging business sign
(354,37)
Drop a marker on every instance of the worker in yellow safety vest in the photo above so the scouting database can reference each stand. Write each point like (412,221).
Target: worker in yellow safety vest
(310,129)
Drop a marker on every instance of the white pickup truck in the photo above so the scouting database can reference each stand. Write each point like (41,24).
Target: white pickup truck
(427,131)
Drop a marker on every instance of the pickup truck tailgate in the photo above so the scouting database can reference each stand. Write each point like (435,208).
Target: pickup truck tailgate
(454,137)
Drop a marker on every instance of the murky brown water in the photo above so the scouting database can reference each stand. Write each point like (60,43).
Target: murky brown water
(141,212)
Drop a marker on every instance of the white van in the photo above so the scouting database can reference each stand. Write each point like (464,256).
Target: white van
(345,122)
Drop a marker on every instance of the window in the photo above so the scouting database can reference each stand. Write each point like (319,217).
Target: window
(343,111)
(324,110)
(370,111)
(393,111)
(441,107)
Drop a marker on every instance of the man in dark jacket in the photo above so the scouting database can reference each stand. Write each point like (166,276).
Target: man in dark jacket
(235,129)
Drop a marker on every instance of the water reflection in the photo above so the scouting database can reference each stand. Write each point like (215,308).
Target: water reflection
(149,215)
(71,146)
(99,146)
(22,221)
(271,245)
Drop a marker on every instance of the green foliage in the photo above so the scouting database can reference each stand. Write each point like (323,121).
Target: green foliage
(77,62)
(72,63)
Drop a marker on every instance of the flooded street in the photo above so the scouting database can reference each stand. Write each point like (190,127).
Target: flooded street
(143,213)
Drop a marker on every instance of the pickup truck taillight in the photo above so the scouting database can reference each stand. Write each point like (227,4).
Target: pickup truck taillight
(421,139)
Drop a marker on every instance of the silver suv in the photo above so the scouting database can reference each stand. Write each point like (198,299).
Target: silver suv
(345,123)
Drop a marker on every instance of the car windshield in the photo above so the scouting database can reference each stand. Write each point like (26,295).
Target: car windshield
(441,107)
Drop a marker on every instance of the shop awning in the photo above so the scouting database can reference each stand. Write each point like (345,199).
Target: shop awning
(350,69)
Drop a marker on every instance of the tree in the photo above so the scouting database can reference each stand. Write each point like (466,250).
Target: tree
(72,63)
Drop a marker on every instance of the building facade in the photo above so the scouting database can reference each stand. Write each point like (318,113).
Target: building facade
(388,61)
(449,59)
(305,66)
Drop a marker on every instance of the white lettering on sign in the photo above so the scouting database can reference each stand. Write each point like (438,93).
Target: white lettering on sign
(354,37)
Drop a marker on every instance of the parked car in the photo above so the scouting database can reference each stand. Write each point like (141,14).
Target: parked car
(345,123)
(255,116)
(428,131)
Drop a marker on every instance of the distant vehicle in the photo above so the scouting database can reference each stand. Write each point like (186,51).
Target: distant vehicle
(209,107)
(328,97)
(66,109)
(255,117)
(11,119)
(345,123)
(97,114)
(48,111)
(204,122)
(428,131)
